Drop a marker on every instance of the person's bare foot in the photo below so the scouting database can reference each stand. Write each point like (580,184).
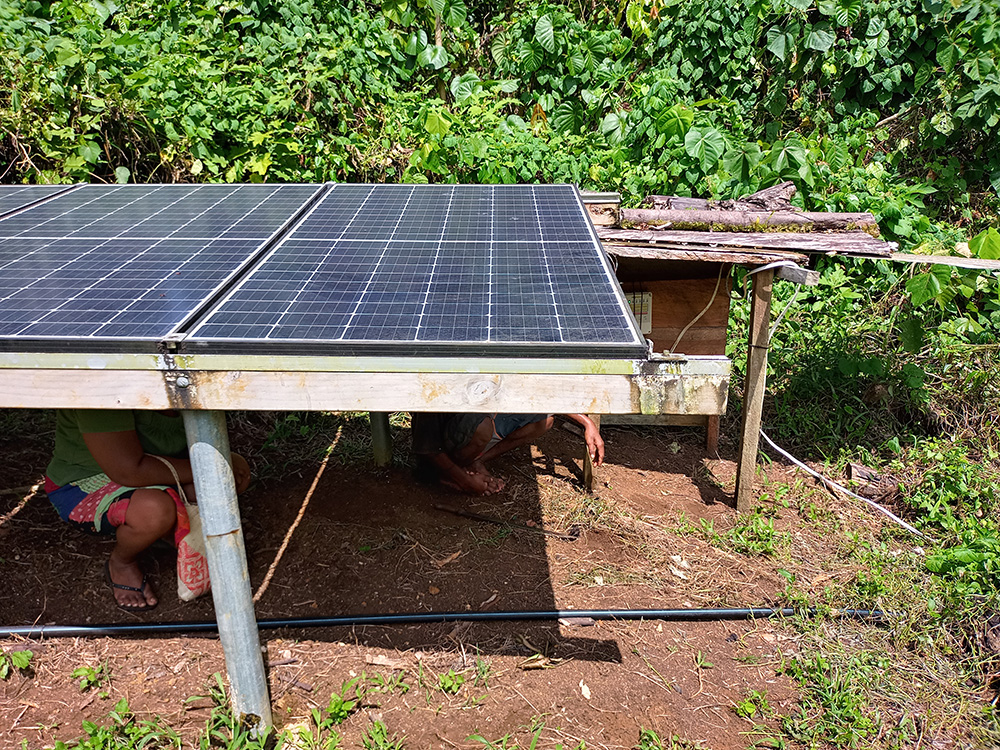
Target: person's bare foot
(496,484)
(131,589)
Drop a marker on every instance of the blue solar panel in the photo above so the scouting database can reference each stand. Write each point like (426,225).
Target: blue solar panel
(131,262)
(484,269)
(15,197)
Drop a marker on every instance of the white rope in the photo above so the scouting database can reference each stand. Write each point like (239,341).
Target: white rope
(833,485)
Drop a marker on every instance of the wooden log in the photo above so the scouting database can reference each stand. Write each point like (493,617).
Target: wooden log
(745,221)
(754,387)
(775,198)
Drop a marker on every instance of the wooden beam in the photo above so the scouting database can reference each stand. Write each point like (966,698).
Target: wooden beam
(798,275)
(655,387)
(820,243)
(754,386)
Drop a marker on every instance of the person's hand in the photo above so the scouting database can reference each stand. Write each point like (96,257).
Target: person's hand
(241,472)
(595,444)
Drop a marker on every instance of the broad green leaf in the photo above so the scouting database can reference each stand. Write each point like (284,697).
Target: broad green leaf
(437,122)
(545,34)
(979,68)
(741,161)
(995,181)
(986,244)
(433,56)
(947,55)
(500,48)
(438,6)
(928,285)
(820,38)
(508,87)
(612,126)
(675,122)
(21,659)
(922,76)
(911,334)
(122,175)
(531,57)
(465,86)
(706,145)
(776,42)
(849,11)
(416,42)
(800,4)
(567,117)
(90,151)
(457,13)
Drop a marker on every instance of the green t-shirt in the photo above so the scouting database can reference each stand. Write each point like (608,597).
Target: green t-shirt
(159,434)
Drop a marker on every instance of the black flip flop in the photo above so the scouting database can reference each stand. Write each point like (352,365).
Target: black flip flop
(142,590)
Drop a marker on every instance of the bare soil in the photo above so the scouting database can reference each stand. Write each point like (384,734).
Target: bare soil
(371,541)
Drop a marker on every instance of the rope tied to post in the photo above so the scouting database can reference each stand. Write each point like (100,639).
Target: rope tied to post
(298,518)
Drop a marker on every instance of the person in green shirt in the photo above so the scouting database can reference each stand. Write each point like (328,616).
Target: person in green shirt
(105,477)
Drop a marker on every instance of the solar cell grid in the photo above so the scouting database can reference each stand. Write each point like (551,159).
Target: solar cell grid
(111,262)
(14,197)
(483,268)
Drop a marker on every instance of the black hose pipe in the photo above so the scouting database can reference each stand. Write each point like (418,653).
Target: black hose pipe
(414,618)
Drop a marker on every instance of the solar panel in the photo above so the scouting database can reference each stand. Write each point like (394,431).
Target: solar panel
(130,262)
(14,197)
(423,268)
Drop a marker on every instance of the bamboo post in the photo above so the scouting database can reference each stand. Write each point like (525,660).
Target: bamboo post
(588,463)
(208,443)
(381,437)
(754,386)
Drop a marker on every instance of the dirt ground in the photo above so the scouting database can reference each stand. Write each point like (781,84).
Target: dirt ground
(371,541)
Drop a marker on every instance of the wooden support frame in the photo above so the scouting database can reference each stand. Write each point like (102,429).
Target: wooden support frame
(754,385)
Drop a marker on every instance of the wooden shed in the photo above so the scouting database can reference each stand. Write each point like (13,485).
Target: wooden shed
(675,257)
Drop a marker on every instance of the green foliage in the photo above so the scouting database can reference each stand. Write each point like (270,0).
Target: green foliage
(91,676)
(377,738)
(14,660)
(340,706)
(450,682)
(755,704)
(834,708)
(123,730)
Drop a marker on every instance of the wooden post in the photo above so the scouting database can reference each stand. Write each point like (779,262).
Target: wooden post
(753,387)
(381,437)
(712,434)
(588,464)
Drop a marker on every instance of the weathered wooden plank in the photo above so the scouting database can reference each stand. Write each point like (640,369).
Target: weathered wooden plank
(655,420)
(843,243)
(947,260)
(657,389)
(754,387)
(797,275)
(699,255)
(295,363)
